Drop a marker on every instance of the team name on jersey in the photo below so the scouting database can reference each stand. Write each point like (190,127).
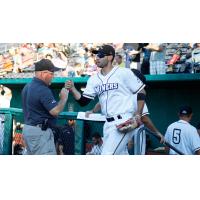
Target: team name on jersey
(106,87)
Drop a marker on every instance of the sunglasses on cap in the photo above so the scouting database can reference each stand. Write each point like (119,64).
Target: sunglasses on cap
(102,55)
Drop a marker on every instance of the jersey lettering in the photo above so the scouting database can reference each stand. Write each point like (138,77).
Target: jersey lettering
(106,87)
(176,138)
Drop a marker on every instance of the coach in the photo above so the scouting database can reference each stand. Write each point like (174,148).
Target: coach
(41,110)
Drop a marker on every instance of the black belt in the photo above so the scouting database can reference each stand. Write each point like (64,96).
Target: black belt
(111,119)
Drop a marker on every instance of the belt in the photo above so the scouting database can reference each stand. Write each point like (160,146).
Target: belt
(111,119)
(43,128)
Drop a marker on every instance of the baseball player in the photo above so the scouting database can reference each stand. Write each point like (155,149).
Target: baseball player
(115,88)
(198,128)
(183,135)
(97,145)
(138,137)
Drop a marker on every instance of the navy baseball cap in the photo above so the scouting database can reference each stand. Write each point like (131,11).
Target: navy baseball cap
(45,64)
(105,50)
(185,110)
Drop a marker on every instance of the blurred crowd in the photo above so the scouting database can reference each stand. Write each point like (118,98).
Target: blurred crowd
(76,59)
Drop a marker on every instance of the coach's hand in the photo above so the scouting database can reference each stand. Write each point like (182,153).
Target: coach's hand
(64,94)
(69,85)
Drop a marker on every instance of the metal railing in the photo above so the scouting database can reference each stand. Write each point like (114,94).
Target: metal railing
(12,113)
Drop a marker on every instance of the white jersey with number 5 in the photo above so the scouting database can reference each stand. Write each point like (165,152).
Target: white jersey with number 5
(184,137)
(115,90)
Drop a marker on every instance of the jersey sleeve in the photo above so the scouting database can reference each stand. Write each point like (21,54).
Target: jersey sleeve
(89,91)
(47,99)
(145,110)
(133,82)
(195,141)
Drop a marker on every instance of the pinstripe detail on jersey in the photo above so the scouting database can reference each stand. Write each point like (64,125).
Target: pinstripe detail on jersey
(108,91)
(88,96)
(139,89)
(99,78)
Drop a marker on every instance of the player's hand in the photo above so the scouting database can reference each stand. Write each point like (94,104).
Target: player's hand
(87,113)
(69,85)
(137,117)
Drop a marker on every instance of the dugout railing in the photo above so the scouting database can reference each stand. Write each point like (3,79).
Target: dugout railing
(9,115)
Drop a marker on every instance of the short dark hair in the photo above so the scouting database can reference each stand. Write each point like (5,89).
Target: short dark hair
(96,135)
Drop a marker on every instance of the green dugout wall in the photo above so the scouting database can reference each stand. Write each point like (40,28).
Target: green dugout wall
(165,93)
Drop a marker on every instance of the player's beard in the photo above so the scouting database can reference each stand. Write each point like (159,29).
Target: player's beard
(103,63)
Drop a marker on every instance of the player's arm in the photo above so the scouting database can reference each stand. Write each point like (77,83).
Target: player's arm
(70,86)
(96,109)
(83,101)
(149,124)
(136,86)
(140,102)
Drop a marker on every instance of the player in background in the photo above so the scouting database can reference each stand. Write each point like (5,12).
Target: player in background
(198,128)
(115,88)
(97,144)
(183,135)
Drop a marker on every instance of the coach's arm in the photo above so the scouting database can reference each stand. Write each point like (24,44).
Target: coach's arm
(61,104)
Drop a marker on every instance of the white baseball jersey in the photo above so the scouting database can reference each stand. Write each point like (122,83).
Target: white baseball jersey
(183,136)
(96,150)
(116,96)
(115,90)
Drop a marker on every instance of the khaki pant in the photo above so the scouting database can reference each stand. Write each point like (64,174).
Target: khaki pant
(38,142)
